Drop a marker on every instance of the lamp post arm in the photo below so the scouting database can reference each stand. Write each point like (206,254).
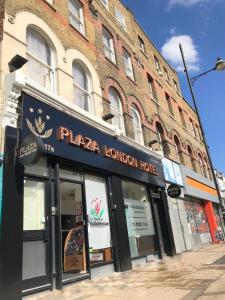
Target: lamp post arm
(201,127)
(193,79)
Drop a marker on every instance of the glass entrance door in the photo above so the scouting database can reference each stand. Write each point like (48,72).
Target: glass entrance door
(73,231)
(36,267)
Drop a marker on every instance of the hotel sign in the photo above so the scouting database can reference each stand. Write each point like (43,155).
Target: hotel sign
(66,137)
(86,143)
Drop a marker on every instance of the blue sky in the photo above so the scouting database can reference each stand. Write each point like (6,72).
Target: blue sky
(200,25)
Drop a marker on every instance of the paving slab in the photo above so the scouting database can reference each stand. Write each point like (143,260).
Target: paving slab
(193,275)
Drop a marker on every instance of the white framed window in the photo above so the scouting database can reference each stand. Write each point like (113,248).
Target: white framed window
(141,44)
(128,64)
(138,135)
(105,3)
(108,45)
(157,65)
(81,87)
(76,15)
(116,109)
(176,86)
(160,136)
(192,128)
(166,74)
(169,104)
(151,87)
(40,59)
(120,18)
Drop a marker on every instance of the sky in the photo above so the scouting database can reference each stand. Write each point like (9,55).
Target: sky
(199,25)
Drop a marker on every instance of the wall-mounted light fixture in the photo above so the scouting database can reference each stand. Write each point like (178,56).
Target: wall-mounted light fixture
(108,116)
(16,63)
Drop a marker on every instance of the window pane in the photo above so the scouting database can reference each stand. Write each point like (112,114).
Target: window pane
(40,168)
(37,46)
(80,77)
(34,205)
(137,126)
(81,95)
(69,174)
(81,98)
(139,219)
(39,72)
(39,66)
(76,15)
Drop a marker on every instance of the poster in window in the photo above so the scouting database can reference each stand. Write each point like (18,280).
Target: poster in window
(97,209)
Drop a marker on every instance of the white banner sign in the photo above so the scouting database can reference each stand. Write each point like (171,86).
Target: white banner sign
(98,216)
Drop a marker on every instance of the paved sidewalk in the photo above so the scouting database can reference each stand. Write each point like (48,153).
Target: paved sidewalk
(191,275)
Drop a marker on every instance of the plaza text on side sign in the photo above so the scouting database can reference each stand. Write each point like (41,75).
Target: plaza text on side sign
(31,149)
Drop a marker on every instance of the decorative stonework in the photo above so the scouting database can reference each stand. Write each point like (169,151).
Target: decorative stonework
(14,84)
(11,19)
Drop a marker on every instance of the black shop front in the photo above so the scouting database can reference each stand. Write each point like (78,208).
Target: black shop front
(89,206)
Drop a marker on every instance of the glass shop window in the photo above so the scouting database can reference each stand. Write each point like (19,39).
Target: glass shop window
(38,169)
(100,246)
(196,216)
(140,225)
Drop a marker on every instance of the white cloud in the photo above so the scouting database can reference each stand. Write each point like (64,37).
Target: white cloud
(185,2)
(170,50)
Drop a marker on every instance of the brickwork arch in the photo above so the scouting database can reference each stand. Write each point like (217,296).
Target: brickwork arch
(109,82)
(133,101)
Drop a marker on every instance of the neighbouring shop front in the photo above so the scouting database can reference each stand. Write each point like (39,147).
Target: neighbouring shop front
(200,198)
(89,206)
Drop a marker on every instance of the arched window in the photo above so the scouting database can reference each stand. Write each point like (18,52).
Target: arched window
(81,87)
(116,109)
(202,169)
(191,158)
(207,169)
(178,150)
(161,138)
(138,136)
(40,59)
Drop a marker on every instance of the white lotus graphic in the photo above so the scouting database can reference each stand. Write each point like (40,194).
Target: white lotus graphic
(38,128)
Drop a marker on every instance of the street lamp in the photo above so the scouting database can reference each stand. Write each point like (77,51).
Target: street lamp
(220,65)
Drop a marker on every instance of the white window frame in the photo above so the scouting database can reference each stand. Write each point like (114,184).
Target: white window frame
(105,3)
(152,88)
(79,21)
(86,92)
(109,46)
(128,64)
(138,134)
(141,44)
(193,128)
(120,18)
(157,65)
(51,67)
(117,112)
(176,86)
(166,75)
(160,140)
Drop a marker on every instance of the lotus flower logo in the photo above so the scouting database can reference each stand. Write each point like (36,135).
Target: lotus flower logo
(38,128)
(96,211)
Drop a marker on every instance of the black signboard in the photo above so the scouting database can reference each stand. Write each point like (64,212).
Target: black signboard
(31,149)
(174,191)
(67,137)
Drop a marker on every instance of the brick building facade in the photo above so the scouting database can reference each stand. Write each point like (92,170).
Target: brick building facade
(93,76)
